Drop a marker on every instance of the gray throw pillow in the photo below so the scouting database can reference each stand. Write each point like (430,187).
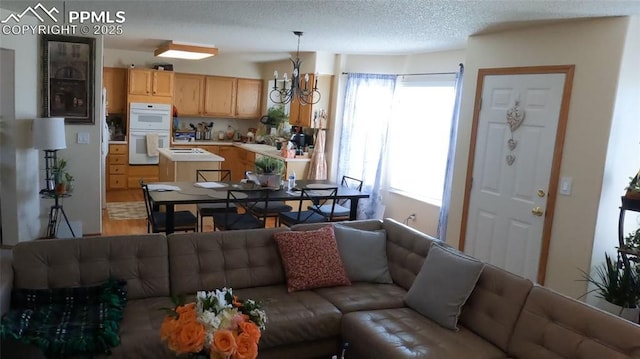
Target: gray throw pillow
(443,285)
(364,254)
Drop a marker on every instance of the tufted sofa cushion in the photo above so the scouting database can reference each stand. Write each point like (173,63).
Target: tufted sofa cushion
(237,259)
(495,304)
(403,333)
(406,251)
(552,325)
(141,260)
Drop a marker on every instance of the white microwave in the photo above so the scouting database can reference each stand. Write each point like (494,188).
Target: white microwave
(150,116)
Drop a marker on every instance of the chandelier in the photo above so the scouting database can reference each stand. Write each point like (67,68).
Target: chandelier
(299,89)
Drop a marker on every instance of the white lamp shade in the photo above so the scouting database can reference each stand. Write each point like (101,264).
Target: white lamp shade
(48,133)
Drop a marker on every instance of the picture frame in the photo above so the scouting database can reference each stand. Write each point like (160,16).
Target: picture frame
(68,78)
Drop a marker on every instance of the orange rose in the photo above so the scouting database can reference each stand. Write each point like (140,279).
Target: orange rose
(186,313)
(191,337)
(251,329)
(224,342)
(247,347)
(168,327)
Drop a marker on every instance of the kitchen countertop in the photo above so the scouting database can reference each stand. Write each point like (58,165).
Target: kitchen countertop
(265,150)
(200,155)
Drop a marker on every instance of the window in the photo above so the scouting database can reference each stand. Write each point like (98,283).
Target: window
(419,137)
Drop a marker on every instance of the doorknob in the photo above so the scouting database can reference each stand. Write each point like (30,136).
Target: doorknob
(537,211)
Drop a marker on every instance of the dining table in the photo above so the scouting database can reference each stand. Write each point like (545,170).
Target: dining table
(170,194)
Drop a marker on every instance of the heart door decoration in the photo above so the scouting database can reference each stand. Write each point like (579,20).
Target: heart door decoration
(512,144)
(510,159)
(515,116)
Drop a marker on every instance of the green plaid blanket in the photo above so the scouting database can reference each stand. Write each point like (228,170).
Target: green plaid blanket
(67,321)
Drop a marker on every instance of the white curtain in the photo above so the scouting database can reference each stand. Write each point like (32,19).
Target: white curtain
(363,140)
(443,218)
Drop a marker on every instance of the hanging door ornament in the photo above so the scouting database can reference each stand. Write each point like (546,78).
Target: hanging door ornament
(515,117)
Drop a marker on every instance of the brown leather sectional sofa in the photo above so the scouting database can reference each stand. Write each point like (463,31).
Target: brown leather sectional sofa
(505,317)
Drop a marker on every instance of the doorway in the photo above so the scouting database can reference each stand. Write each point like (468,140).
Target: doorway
(518,131)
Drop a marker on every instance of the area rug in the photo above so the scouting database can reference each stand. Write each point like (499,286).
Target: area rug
(126,210)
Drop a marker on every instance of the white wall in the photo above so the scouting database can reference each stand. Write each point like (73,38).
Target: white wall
(220,65)
(595,47)
(20,202)
(623,153)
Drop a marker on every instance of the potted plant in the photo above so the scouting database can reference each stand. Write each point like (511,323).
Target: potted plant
(277,117)
(632,242)
(59,173)
(618,287)
(633,189)
(270,170)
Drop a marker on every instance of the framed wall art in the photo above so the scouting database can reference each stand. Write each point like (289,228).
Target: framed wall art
(68,78)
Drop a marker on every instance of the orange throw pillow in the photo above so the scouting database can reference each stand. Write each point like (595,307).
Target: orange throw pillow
(311,259)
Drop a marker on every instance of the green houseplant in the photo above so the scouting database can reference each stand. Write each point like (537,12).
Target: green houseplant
(632,241)
(270,170)
(618,285)
(58,171)
(633,189)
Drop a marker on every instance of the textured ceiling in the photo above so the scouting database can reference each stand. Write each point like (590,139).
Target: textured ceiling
(263,27)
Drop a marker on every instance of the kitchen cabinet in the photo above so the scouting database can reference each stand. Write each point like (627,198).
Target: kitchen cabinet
(303,115)
(188,94)
(248,99)
(150,82)
(217,96)
(117,166)
(148,173)
(220,96)
(115,82)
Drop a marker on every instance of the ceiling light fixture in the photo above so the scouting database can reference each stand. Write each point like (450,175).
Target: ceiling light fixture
(298,90)
(182,51)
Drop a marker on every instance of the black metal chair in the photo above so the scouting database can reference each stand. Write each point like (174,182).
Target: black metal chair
(209,209)
(157,221)
(230,221)
(342,209)
(260,209)
(318,197)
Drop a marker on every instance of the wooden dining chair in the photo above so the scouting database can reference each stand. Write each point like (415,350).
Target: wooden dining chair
(318,197)
(230,221)
(342,209)
(157,221)
(209,209)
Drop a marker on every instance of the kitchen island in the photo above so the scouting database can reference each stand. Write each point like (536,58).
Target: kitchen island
(180,164)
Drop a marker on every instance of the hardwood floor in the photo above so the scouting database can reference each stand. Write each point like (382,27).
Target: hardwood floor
(135,226)
(116,227)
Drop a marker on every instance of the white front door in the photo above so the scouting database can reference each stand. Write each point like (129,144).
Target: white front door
(512,167)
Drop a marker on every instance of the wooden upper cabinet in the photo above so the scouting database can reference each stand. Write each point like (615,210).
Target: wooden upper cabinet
(162,83)
(188,94)
(248,99)
(115,81)
(303,115)
(299,113)
(150,82)
(220,96)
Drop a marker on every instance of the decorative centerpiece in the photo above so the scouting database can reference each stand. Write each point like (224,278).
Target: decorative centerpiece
(269,170)
(217,325)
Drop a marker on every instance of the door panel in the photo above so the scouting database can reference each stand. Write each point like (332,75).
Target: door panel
(501,227)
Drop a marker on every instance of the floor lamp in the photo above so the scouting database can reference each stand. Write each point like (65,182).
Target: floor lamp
(49,136)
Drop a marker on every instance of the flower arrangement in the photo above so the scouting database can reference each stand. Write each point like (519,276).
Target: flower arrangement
(217,324)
